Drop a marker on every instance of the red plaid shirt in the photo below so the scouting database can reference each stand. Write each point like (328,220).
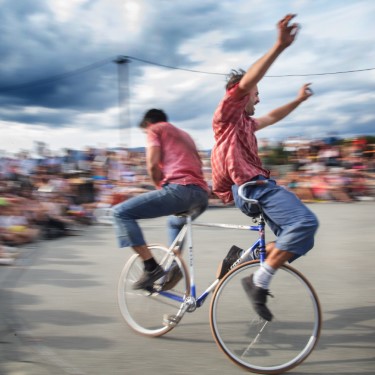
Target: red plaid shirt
(234,157)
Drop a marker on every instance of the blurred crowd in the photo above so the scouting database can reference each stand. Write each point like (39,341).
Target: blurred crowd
(47,197)
(44,197)
(325,170)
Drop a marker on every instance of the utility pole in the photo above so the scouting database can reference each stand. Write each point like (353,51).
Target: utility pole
(123,100)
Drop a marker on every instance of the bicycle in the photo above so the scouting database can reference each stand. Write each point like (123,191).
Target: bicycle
(249,341)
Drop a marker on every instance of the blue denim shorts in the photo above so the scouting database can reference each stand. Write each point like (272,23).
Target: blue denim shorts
(290,220)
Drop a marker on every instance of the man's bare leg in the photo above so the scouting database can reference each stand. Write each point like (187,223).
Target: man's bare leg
(276,257)
(256,285)
(143,251)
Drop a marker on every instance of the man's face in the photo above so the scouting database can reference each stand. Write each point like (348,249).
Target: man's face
(253,101)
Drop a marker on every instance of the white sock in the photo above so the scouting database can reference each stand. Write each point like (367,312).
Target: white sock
(262,277)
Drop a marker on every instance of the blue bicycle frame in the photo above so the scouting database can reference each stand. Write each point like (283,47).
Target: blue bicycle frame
(187,230)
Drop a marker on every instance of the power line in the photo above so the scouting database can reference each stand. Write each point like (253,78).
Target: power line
(269,76)
(100,63)
(321,74)
(57,77)
(172,67)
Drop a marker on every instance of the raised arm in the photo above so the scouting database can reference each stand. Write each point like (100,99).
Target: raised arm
(286,36)
(279,113)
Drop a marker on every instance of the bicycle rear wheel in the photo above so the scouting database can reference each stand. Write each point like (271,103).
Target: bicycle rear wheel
(145,311)
(255,344)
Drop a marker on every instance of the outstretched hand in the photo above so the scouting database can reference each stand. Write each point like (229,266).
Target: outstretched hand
(287,32)
(304,92)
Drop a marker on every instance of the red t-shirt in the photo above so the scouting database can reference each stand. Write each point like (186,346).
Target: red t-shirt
(234,157)
(180,161)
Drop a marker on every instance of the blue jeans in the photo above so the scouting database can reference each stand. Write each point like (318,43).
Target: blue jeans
(290,220)
(172,199)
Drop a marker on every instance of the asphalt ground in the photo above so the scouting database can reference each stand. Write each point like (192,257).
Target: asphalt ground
(59,313)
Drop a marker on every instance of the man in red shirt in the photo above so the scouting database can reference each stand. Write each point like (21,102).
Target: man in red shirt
(175,167)
(235,161)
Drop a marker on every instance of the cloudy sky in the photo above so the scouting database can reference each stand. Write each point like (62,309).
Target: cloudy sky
(59,83)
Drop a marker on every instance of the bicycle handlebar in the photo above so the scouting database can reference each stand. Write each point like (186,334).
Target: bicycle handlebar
(250,183)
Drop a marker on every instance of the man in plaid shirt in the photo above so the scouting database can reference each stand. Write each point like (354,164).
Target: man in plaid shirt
(235,161)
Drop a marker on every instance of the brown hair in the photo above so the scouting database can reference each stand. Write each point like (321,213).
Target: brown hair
(234,77)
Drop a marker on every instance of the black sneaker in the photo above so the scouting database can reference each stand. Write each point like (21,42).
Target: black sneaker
(258,297)
(174,275)
(148,278)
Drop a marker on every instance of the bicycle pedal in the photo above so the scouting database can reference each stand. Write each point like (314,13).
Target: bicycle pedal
(151,290)
(147,291)
(171,320)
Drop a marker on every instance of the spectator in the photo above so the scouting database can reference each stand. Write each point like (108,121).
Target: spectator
(15,228)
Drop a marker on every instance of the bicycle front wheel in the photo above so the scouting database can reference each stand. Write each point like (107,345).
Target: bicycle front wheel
(255,344)
(146,311)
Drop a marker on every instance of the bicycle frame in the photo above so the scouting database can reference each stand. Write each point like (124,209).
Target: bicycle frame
(193,300)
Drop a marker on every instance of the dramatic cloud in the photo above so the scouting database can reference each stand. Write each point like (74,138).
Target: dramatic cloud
(59,82)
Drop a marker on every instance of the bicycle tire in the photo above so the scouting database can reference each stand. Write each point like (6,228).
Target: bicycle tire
(251,342)
(145,311)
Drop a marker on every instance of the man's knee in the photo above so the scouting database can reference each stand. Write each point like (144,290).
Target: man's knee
(120,211)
